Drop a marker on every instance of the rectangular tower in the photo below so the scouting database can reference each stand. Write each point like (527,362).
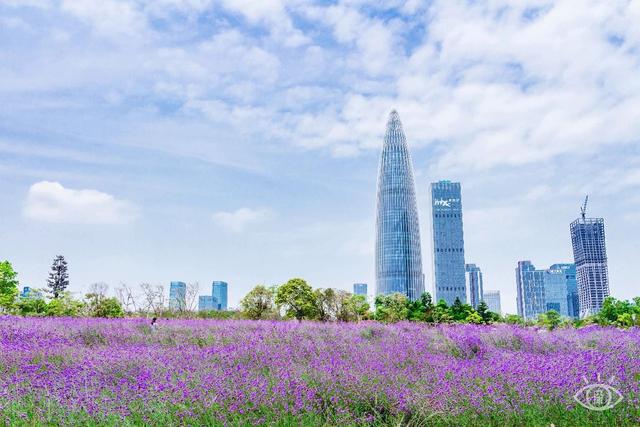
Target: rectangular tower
(590,256)
(530,290)
(492,298)
(206,303)
(556,291)
(177,296)
(448,242)
(219,292)
(473,284)
(568,271)
(360,289)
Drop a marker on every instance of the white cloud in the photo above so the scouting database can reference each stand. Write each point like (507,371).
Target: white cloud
(51,202)
(238,220)
(501,84)
(109,18)
(272,14)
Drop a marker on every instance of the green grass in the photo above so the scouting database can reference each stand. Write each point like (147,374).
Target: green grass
(29,413)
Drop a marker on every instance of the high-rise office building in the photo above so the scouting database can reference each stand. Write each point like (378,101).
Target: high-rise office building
(398,255)
(473,284)
(219,293)
(492,298)
(448,242)
(530,290)
(568,271)
(178,296)
(360,289)
(555,291)
(206,303)
(590,256)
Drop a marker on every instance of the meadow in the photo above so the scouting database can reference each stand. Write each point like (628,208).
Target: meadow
(87,371)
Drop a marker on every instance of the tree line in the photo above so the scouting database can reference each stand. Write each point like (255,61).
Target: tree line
(295,299)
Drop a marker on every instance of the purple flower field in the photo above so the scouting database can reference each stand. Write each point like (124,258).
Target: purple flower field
(203,372)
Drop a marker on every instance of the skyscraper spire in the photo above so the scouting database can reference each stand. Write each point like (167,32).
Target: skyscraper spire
(398,254)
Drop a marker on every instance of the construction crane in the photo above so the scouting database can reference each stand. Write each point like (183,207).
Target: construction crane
(583,208)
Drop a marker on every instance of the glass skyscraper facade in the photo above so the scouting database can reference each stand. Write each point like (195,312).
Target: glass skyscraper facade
(473,284)
(492,298)
(177,296)
(590,256)
(555,291)
(206,303)
(448,242)
(530,290)
(219,293)
(360,289)
(569,273)
(398,254)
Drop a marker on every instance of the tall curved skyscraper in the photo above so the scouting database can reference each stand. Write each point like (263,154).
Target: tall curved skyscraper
(398,255)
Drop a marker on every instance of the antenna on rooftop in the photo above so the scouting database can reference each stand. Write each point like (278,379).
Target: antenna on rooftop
(583,208)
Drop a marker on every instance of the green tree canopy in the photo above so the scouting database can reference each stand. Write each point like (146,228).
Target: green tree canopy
(551,319)
(297,299)
(486,315)
(619,312)
(258,303)
(459,311)
(392,308)
(65,305)
(8,285)
(31,306)
(100,306)
(353,308)
(422,308)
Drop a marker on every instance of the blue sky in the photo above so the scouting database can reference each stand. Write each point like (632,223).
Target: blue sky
(198,140)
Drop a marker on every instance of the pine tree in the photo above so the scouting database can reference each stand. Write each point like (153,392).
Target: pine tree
(58,276)
(483,311)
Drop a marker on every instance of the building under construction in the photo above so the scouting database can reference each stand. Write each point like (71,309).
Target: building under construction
(590,255)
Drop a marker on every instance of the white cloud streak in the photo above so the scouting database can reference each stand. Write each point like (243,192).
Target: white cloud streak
(237,221)
(51,202)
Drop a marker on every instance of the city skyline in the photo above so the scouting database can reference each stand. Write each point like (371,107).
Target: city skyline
(127,146)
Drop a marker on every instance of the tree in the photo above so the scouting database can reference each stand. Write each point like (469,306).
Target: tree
(513,319)
(551,319)
(65,305)
(422,308)
(153,298)
(127,298)
(8,285)
(297,299)
(58,277)
(99,305)
(486,315)
(442,313)
(618,312)
(328,304)
(31,306)
(191,296)
(258,303)
(392,308)
(352,307)
(459,311)
(474,318)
